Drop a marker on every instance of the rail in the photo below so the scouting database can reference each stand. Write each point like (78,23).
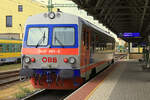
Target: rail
(9,77)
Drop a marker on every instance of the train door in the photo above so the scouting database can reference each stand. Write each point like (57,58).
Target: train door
(85,50)
(86,46)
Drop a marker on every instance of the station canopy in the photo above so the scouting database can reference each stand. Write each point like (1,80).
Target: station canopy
(121,16)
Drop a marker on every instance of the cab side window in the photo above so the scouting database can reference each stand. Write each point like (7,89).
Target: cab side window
(87,38)
(84,36)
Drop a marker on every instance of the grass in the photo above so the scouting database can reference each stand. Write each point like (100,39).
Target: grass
(11,66)
(23,92)
(20,95)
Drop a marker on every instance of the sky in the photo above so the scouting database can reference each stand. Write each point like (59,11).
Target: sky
(76,11)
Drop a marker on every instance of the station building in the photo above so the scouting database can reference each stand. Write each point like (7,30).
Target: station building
(13,15)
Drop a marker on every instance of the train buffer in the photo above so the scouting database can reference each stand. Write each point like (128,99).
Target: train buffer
(121,81)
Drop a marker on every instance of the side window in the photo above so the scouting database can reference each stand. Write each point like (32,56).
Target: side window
(7,47)
(17,47)
(87,38)
(113,47)
(101,46)
(92,44)
(4,47)
(10,47)
(1,48)
(84,36)
(20,46)
(109,46)
(13,47)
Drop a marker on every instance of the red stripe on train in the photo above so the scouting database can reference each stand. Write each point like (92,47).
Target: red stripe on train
(92,66)
(50,51)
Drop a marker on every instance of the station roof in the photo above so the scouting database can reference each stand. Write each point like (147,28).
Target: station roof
(120,15)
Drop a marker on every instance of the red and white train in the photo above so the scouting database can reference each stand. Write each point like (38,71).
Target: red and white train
(62,51)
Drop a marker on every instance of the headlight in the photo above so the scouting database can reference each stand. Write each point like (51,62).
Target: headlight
(26,59)
(51,15)
(72,60)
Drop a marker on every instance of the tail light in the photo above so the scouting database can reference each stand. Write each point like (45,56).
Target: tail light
(32,59)
(65,60)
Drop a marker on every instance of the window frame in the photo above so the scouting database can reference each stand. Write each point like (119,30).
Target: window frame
(7,25)
(63,27)
(20,8)
(39,45)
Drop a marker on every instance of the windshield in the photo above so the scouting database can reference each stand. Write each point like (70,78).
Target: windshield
(37,36)
(63,36)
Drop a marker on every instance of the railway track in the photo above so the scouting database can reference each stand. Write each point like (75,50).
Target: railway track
(9,77)
(48,95)
(13,76)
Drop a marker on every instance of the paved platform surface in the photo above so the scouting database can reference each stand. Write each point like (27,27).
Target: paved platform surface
(126,82)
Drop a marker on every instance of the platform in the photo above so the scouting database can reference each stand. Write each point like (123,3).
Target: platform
(124,81)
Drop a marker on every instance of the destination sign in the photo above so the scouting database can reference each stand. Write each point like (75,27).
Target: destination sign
(131,34)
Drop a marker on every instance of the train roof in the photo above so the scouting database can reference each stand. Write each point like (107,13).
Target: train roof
(107,37)
(10,39)
(43,18)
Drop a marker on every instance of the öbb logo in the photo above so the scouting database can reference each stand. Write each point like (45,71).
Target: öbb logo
(49,59)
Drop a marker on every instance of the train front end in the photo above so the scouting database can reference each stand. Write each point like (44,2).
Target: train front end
(50,53)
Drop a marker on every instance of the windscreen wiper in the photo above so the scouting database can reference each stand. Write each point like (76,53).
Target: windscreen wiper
(59,42)
(41,40)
